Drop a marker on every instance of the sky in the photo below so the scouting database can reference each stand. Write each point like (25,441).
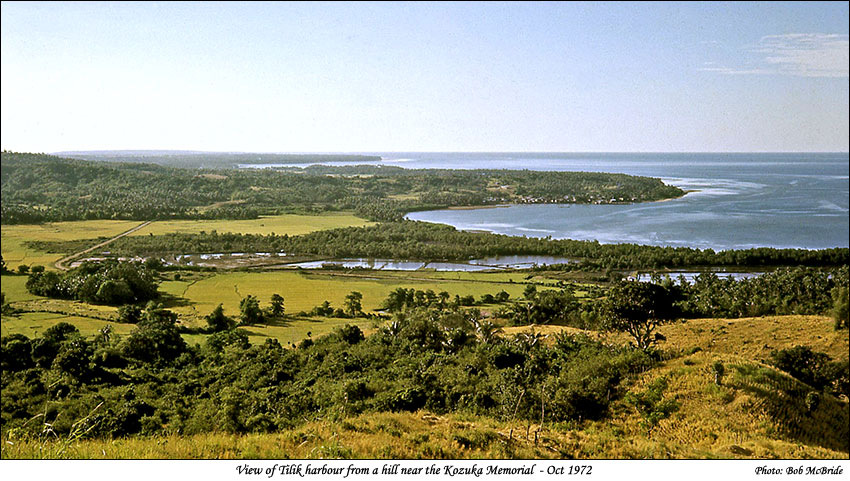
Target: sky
(382,77)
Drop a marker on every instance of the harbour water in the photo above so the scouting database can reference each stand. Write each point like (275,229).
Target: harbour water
(734,201)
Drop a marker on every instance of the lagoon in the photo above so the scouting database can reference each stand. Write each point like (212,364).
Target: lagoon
(475,265)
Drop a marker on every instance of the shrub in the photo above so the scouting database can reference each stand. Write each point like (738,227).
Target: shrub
(217,321)
(804,364)
(129,314)
(840,307)
(651,405)
(717,369)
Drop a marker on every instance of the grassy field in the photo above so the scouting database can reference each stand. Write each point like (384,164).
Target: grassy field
(13,238)
(748,337)
(14,286)
(89,319)
(754,414)
(196,294)
(289,224)
(304,290)
(33,324)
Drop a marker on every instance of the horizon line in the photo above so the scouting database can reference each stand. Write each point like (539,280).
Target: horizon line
(354,152)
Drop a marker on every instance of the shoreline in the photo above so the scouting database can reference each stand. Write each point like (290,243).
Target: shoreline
(503,206)
(473,207)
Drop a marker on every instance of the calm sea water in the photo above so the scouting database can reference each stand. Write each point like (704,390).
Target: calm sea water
(797,200)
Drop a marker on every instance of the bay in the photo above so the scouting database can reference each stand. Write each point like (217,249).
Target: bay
(735,201)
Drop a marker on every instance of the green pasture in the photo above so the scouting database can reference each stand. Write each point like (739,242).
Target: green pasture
(33,324)
(13,238)
(14,286)
(195,297)
(304,290)
(290,224)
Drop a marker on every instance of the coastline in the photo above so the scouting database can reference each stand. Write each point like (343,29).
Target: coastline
(476,207)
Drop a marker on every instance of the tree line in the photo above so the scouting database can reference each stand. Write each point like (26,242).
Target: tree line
(639,307)
(425,241)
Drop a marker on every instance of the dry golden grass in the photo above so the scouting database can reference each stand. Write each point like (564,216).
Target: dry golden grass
(420,435)
(755,337)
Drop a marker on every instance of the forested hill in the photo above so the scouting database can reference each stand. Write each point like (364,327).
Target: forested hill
(210,160)
(39,188)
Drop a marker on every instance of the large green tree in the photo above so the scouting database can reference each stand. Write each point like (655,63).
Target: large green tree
(638,308)
(276,308)
(217,321)
(156,340)
(249,311)
(353,305)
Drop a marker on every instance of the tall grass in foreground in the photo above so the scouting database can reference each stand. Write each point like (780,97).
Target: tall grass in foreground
(423,435)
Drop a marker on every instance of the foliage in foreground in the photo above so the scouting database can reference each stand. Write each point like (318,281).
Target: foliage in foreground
(152,382)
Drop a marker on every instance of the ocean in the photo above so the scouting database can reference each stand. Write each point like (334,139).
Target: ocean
(735,201)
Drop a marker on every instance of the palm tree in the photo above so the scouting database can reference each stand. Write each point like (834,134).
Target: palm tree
(486,331)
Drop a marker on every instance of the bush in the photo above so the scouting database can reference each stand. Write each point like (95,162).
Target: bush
(840,301)
(217,321)
(350,334)
(15,353)
(129,314)
(651,405)
(717,369)
(155,341)
(804,364)
(235,337)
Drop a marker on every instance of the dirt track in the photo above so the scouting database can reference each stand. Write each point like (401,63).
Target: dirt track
(60,264)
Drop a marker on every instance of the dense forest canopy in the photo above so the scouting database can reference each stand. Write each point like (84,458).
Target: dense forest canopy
(40,188)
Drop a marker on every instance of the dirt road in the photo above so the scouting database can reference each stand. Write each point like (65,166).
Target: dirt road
(60,264)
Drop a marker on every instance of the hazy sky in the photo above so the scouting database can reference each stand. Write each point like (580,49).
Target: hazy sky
(359,77)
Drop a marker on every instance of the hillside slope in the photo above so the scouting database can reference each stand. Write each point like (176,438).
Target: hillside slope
(756,412)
